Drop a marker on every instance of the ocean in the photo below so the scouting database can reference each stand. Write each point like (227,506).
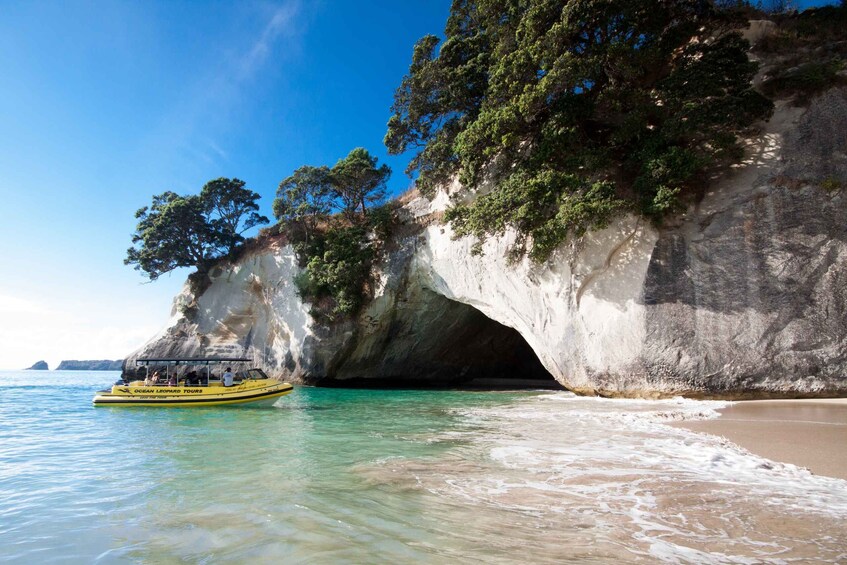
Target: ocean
(369,476)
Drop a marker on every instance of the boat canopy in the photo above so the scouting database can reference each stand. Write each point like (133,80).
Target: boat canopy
(190,361)
(174,361)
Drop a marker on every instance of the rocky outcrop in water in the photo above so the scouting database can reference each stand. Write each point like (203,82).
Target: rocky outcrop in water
(39,366)
(744,295)
(91,365)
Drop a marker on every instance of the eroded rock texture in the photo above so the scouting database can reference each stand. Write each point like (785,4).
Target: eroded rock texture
(744,295)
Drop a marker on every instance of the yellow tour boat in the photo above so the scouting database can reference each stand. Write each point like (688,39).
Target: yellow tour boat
(251,387)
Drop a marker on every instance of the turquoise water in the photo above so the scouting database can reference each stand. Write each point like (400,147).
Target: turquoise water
(357,476)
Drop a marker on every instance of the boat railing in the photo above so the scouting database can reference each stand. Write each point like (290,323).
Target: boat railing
(168,362)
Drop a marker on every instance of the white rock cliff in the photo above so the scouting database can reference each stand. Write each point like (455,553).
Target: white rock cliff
(744,295)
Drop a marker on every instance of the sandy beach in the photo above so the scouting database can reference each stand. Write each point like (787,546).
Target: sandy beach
(810,433)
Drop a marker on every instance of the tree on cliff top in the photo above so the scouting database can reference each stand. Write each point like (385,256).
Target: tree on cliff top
(358,181)
(304,198)
(192,231)
(231,209)
(312,193)
(577,108)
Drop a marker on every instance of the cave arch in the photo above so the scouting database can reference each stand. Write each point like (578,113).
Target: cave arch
(433,341)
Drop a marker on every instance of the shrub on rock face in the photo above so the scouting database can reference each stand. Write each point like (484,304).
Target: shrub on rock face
(336,251)
(805,81)
(577,108)
(338,263)
(805,53)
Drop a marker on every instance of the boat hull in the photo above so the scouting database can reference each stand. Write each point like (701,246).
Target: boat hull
(250,394)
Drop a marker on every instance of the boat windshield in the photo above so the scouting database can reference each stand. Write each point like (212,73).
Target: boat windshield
(254,374)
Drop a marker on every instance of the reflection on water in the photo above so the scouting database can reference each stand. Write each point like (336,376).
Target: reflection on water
(385,476)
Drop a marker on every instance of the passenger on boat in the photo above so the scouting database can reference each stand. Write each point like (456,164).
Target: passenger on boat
(192,379)
(227,377)
(152,379)
(172,381)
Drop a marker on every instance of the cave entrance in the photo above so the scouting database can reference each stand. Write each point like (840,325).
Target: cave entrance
(437,342)
(487,354)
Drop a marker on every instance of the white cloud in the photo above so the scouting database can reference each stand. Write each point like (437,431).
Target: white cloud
(217,150)
(76,326)
(10,305)
(27,340)
(280,23)
(194,131)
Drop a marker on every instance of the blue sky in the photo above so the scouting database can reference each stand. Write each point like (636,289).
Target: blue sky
(106,103)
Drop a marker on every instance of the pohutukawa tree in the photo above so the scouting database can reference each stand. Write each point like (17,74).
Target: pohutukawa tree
(350,186)
(231,209)
(358,181)
(304,198)
(577,108)
(192,231)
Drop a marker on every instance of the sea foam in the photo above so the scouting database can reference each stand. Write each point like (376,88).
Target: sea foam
(665,493)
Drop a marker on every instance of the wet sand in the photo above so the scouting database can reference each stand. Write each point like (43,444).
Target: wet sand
(808,433)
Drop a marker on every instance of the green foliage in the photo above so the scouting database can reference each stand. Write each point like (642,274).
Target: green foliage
(304,198)
(357,180)
(831,184)
(338,263)
(336,252)
(663,174)
(311,194)
(538,209)
(382,220)
(192,231)
(230,209)
(576,108)
(807,52)
(809,29)
(171,233)
(805,80)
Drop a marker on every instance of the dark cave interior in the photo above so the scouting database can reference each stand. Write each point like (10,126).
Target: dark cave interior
(446,344)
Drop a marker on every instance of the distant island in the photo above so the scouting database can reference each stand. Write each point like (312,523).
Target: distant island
(39,366)
(89,365)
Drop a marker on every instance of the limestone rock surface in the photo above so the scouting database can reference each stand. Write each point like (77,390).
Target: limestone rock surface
(742,295)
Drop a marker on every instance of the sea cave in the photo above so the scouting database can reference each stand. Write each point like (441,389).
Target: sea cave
(438,342)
